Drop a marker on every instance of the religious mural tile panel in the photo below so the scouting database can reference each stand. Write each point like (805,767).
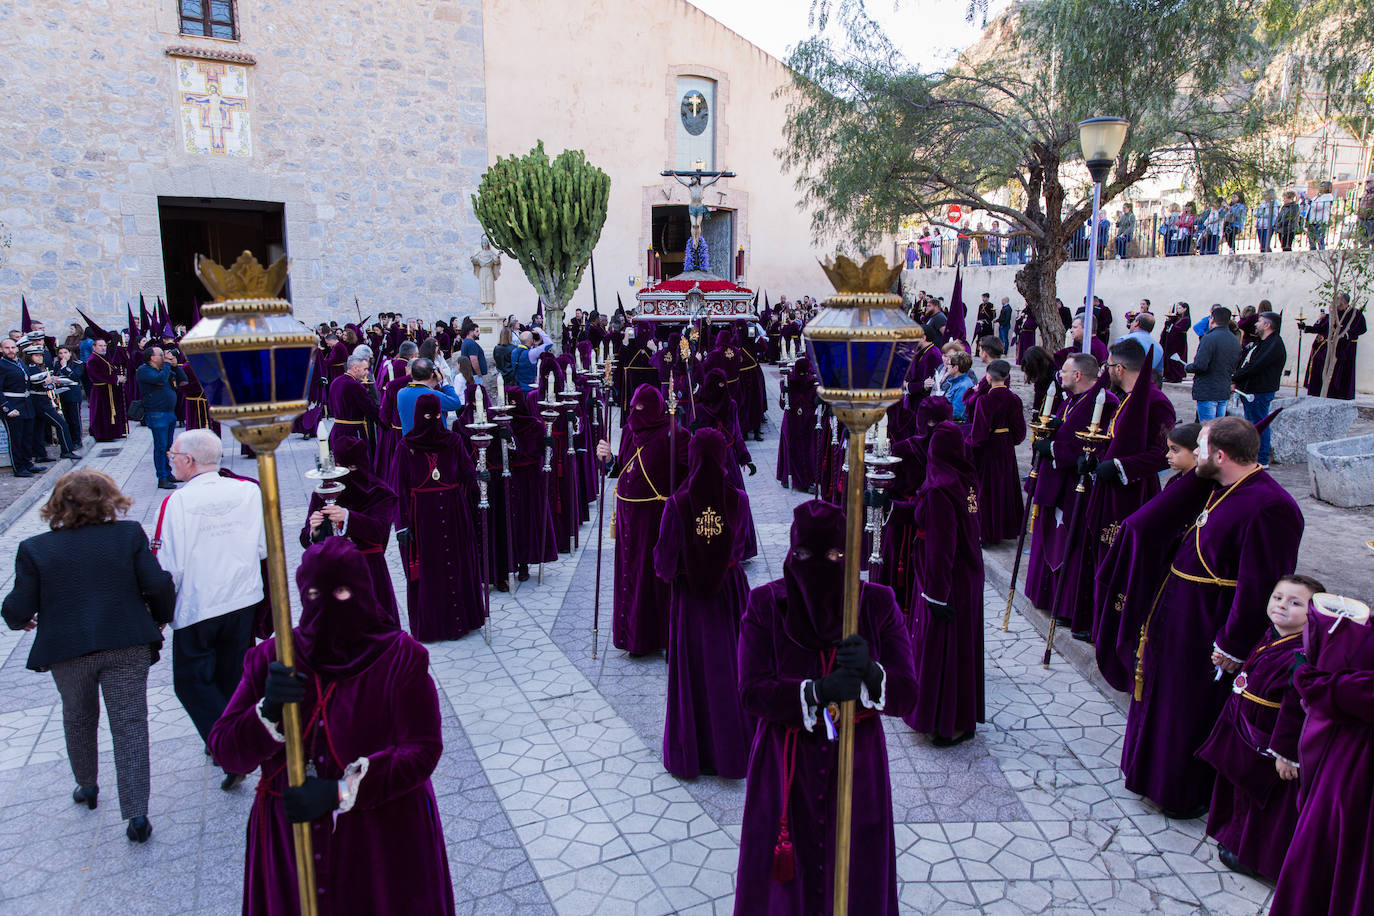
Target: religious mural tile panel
(213,101)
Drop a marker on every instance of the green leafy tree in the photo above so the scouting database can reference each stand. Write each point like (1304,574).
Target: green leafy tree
(548,216)
(874,140)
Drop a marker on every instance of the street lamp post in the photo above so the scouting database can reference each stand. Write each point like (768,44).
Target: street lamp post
(860,344)
(253,360)
(1101,139)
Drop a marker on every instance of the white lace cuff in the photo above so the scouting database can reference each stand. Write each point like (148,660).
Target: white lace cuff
(1282,759)
(271,726)
(1228,655)
(868,701)
(348,786)
(808,711)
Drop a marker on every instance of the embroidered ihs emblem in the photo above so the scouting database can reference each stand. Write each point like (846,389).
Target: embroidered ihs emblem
(1120,602)
(972,501)
(709,524)
(1109,533)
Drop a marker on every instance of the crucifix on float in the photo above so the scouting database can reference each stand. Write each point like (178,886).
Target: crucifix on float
(696,182)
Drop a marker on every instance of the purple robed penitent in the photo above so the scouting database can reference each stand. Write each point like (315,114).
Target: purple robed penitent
(369,702)
(797,442)
(701,542)
(897,571)
(753,390)
(107,415)
(355,414)
(1254,810)
(716,410)
(639,624)
(947,565)
(371,506)
(1343,376)
(791,783)
(1218,586)
(1175,341)
(999,425)
(1327,867)
(533,537)
(1055,500)
(436,478)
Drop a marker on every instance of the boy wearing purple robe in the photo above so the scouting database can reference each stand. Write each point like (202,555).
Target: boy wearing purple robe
(946,617)
(998,425)
(435,479)
(797,446)
(792,668)
(701,541)
(1206,618)
(373,735)
(1327,866)
(363,513)
(644,474)
(1055,502)
(1254,745)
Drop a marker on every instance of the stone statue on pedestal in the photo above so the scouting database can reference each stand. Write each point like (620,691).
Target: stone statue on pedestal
(486,264)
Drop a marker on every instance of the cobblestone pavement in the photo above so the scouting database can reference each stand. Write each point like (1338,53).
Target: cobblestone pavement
(551,791)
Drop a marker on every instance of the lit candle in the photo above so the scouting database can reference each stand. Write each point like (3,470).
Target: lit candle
(1098,405)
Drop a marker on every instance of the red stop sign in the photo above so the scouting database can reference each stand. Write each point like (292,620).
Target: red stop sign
(953,213)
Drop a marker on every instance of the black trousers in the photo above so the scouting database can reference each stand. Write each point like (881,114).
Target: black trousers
(46,417)
(71,414)
(19,431)
(207,663)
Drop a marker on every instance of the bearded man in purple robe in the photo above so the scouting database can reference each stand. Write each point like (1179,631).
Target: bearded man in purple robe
(1206,618)
(793,670)
(373,735)
(353,406)
(702,539)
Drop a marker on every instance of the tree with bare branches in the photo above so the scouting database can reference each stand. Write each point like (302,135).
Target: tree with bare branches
(1346,278)
(874,140)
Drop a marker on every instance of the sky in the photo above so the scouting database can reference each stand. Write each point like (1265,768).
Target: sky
(929,32)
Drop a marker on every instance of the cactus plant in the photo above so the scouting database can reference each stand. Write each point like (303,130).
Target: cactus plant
(548,216)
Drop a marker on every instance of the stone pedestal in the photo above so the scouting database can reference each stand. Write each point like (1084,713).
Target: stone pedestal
(489,328)
(1304,420)
(1342,471)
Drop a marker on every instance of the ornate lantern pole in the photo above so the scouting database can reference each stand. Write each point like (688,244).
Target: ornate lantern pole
(860,346)
(253,360)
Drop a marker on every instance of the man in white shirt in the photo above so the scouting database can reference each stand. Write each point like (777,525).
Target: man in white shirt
(211,539)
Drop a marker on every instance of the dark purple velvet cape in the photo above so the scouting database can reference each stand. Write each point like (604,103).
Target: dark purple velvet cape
(1343,378)
(771,670)
(108,418)
(999,425)
(1251,537)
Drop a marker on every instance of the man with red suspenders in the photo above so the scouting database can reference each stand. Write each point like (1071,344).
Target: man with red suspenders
(210,537)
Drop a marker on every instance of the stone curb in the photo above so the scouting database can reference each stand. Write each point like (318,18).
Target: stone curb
(1066,649)
(41,488)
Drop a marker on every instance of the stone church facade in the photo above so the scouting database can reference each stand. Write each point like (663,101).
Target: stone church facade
(351,138)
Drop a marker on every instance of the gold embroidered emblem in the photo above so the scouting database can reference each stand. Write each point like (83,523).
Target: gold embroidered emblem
(1120,602)
(972,501)
(1109,533)
(709,524)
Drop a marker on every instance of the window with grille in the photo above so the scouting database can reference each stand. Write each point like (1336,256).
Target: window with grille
(209,18)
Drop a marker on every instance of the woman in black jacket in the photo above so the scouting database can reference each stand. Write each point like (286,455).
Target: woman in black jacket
(95,640)
(500,356)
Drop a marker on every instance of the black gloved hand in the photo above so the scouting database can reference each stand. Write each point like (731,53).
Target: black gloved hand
(1109,474)
(1087,464)
(1044,448)
(548,442)
(1299,659)
(840,685)
(505,433)
(852,652)
(284,685)
(484,475)
(403,539)
(941,612)
(316,797)
(1054,423)
(879,499)
(752,470)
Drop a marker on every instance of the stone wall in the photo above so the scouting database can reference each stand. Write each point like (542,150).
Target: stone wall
(1284,278)
(368,124)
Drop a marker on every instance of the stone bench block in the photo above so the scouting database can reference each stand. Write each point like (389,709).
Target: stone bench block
(1342,471)
(1304,420)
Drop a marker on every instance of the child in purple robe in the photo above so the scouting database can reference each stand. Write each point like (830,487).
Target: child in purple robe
(1254,746)
(998,425)
(373,735)
(1327,866)
(1182,445)
(701,541)
(793,670)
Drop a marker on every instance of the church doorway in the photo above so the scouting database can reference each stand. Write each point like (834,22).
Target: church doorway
(221,229)
(671,230)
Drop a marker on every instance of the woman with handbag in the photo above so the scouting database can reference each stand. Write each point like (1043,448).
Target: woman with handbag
(95,641)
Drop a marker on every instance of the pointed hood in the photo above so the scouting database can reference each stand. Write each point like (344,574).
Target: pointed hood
(93,330)
(648,416)
(956,327)
(1130,425)
(343,629)
(145,321)
(813,575)
(25,322)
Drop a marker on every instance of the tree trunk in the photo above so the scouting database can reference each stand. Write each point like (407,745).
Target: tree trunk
(1038,283)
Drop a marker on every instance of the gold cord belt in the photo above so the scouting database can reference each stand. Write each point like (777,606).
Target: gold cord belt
(1268,704)
(1204,580)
